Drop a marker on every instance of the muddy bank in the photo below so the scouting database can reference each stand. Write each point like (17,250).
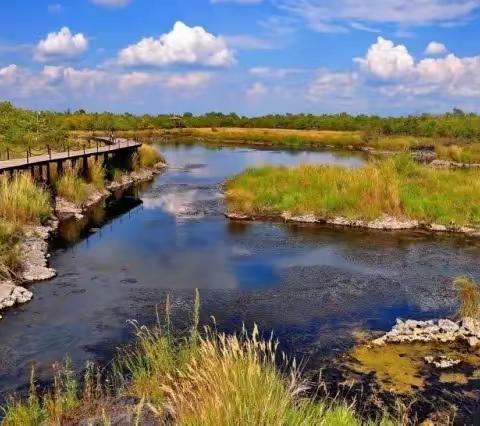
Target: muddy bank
(386,223)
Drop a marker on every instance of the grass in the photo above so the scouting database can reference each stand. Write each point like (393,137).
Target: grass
(469,297)
(206,378)
(10,256)
(72,187)
(148,157)
(22,202)
(395,187)
(96,174)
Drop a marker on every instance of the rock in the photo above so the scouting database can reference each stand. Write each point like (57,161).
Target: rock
(309,218)
(441,362)
(237,216)
(443,330)
(11,294)
(438,228)
(34,249)
(447,325)
(473,341)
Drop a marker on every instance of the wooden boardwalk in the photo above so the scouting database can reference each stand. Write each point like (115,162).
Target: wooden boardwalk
(118,146)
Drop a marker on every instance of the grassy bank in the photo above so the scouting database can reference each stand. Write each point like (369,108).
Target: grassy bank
(462,151)
(394,187)
(205,378)
(22,203)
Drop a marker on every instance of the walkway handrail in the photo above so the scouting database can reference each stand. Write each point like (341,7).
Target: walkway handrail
(10,153)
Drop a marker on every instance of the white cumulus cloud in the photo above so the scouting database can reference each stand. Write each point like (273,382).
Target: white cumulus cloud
(394,64)
(183,45)
(436,48)
(61,45)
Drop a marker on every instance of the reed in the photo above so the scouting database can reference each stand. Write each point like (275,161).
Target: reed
(96,174)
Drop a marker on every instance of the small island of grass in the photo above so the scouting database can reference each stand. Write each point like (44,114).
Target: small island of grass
(397,188)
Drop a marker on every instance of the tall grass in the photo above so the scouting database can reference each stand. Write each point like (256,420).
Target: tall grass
(148,157)
(72,187)
(96,174)
(203,379)
(395,187)
(23,202)
(469,293)
(10,256)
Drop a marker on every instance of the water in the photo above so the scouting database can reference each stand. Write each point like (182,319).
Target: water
(313,286)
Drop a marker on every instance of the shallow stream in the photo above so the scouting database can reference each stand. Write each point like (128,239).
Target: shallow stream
(315,287)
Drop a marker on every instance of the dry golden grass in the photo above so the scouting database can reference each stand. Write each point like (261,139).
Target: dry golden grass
(469,293)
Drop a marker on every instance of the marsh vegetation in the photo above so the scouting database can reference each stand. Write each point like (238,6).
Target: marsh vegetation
(395,187)
(198,377)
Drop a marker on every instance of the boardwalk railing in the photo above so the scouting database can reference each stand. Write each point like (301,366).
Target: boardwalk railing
(9,153)
(40,157)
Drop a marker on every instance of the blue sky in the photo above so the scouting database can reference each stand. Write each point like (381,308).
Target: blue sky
(253,57)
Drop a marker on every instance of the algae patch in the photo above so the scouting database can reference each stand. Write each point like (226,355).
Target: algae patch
(402,368)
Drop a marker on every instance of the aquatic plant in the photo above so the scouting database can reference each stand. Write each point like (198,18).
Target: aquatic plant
(469,294)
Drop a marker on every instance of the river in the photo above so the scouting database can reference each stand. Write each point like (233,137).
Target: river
(313,286)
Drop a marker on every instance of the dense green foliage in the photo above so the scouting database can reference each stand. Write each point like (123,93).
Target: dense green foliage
(395,187)
(19,126)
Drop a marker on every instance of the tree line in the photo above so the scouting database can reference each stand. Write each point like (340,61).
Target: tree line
(26,127)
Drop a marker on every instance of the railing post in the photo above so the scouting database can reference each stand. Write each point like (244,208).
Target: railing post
(8,154)
(28,155)
(97,146)
(49,152)
(68,151)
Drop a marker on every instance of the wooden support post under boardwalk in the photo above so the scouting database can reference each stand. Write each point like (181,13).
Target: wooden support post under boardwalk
(59,168)
(85,167)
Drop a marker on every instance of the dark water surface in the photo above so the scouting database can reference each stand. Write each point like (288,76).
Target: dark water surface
(313,286)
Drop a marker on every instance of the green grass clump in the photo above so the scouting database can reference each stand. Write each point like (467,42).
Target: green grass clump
(203,379)
(396,187)
(22,202)
(469,293)
(72,187)
(96,174)
(149,157)
(10,256)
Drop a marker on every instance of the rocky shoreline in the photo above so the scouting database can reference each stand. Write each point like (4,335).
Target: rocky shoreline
(34,247)
(386,223)
(441,330)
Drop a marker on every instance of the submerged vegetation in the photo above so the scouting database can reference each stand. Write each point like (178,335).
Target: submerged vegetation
(395,187)
(202,378)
